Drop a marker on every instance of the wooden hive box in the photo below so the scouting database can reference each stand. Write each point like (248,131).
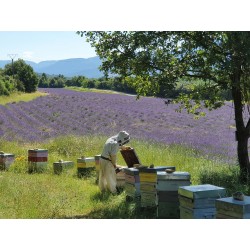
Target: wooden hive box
(61,166)
(199,213)
(172,181)
(229,208)
(37,160)
(85,166)
(6,160)
(202,191)
(198,202)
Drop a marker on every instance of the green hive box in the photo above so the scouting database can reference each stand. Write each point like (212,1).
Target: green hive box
(6,160)
(62,166)
(85,166)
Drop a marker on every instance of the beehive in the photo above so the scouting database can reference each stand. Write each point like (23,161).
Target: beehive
(6,160)
(37,160)
(148,181)
(132,183)
(85,166)
(198,202)
(229,208)
(62,166)
(167,192)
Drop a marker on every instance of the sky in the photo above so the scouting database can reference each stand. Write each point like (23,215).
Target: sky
(46,30)
(40,46)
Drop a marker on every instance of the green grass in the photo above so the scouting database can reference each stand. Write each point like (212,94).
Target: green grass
(80,89)
(46,195)
(20,96)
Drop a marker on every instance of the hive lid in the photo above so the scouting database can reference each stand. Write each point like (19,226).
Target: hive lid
(202,191)
(38,150)
(177,175)
(156,169)
(231,200)
(130,157)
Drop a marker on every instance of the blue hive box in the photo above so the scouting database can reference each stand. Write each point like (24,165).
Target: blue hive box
(200,213)
(197,203)
(167,210)
(202,191)
(230,208)
(162,175)
(168,196)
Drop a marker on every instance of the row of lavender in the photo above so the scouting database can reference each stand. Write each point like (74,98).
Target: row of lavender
(64,112)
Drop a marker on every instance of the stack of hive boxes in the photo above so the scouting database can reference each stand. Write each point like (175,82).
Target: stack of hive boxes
(198,202)
(37,160)
(62,166)
(6,160)
(85,166)
(132,183)
(229,208)
(167,192)
(148,182)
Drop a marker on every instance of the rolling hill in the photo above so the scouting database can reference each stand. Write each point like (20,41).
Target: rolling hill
(69,67)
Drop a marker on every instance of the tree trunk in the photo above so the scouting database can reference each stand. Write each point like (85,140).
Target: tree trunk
(242,135)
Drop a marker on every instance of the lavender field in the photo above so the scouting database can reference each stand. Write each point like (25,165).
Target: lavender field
(64,112)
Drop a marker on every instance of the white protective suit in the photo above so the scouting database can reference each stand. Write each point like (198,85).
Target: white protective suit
(107,174)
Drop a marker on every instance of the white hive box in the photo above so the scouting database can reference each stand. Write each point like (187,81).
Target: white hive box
(6,160)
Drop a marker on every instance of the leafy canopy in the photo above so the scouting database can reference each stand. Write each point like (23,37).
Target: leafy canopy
(156,60)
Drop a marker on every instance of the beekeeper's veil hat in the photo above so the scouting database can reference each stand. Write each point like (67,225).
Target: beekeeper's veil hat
(123,137)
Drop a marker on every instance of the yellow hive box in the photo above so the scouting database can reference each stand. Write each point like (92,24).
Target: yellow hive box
(148,177)
(86,162)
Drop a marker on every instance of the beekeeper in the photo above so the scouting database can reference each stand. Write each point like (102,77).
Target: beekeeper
(108,167)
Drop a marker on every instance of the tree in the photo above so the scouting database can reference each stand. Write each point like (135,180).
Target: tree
(156,60)
(24,73)
(43,81)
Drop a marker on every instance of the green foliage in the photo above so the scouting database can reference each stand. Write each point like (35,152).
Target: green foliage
(24,74)
(157,60)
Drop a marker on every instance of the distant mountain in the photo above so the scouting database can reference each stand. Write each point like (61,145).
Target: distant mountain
(68,67)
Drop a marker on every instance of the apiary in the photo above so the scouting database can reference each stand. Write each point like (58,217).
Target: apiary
(6,160)
(230,208)
(37,160)
(198,201)
(85,166)
(62,166)
(167,192)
